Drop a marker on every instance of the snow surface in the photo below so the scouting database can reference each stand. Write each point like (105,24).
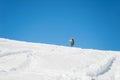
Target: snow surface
(34,61)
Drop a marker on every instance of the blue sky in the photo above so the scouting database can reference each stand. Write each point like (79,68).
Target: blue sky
(92,23)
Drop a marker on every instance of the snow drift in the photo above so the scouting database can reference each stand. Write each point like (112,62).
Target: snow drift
(34,61)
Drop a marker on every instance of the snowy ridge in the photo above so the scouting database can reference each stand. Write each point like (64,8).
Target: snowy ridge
(21,60)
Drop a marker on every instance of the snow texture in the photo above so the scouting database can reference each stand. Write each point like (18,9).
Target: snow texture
(21,60)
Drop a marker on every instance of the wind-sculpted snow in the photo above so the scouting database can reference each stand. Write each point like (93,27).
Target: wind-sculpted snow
(34,61)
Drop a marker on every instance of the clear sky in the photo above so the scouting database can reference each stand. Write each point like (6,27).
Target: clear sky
(92,23)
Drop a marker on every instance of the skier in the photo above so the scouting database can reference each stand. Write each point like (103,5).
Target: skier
(71,42)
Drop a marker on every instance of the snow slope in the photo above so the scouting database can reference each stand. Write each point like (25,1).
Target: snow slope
(34,61)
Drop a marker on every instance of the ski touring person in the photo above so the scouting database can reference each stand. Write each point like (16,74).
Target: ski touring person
(71,42)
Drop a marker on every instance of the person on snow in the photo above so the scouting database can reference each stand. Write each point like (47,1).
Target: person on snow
(71,42)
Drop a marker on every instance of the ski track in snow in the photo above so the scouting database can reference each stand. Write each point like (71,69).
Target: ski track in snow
(8,58)
(14,53)
(100,68)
